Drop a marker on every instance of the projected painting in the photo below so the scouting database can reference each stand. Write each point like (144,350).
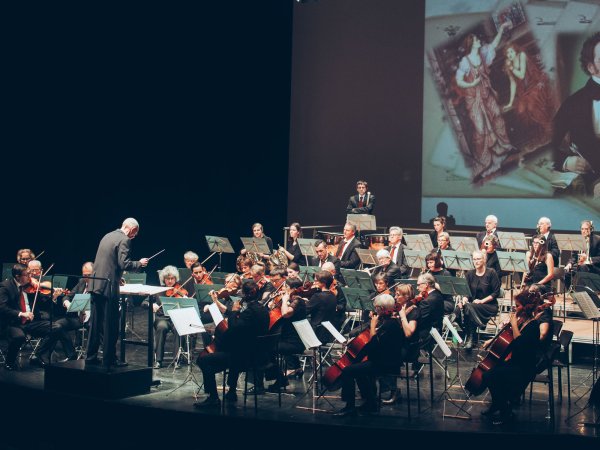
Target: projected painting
(496,74)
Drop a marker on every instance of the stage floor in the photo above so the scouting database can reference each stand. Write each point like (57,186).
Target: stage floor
(169,407)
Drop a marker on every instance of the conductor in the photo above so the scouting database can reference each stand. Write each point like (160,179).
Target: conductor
(112,258)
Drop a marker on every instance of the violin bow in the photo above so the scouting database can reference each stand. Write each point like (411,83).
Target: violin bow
(37,290)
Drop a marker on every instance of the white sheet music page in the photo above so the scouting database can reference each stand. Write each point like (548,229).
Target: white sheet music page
(307,334)
(335,333)
(215,313)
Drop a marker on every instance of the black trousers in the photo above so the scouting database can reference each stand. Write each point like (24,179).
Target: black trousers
(216,362)
(162,325)
(364,373)
(104,328)
(68,324)
(16,335)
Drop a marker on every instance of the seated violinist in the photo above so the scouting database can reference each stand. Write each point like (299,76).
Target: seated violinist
(264,285)
(384,355)
(408,315)
(246,321)
(20,318)
(199,276)
(381,287)
(507,380)
(222,298)
(321,307)
(244,265)
(169,277)
(293,271)
(189,258)
(74,320)
(431,306)
(340,307)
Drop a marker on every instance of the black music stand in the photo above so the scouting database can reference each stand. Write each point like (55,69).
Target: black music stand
(590,310)
(256,245)
(418,242)
(308,272)
(219,277)
(464,243)
(415,259)
(457,260)
(356,298)
(202,292)
(307,248)
(453,286)
(512,262)
(218,245)
(358,279)
(512,240)
(367,256)
(363,222)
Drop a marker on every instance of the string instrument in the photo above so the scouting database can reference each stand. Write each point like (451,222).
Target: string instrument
(274,302)
(307,290)
(355,353)
(177,291)
(225,293)
(498,349)
(217,341)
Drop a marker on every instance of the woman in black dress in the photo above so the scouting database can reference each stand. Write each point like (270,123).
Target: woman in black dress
(541,265)
(489,245)
(507,380)
(475,311)
(292,249)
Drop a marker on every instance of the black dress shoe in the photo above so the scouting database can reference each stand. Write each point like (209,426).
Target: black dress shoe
(209,402)
(37,362)
(277,386)
(258,390)
(345,411)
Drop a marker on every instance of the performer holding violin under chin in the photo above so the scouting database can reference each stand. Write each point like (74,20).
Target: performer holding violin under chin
(384,355)
(507,380)
(169,277)
(541,265)
(199,276)
(236,346)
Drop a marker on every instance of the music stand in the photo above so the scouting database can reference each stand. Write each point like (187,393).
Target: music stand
(415,259)
(186,321)
(573,242)
(358,279)
(308,272)
(202,292)
(311,344)
(134,278)
(464,243)
(256,245)
(219,277)
(512,262)
(512,240)
(184,273)
(418,242)
(218,245)
(362,221)
(457,260)
(307,248)
(367,256)
(453,286)
(7,271)
(591,312)
(588,279)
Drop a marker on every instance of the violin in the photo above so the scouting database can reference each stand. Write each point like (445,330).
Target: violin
(206,279)
(307,290)
(225,293)
(45,288)
(177,291)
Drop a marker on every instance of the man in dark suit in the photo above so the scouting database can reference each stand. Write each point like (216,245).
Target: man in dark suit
(16,312)
(387,268)
(579,117)
(396,249)
(491,224)
(112,258)
(76,320)
(323,256)
(589,261)
(543,228)
(346,251)
(363,202)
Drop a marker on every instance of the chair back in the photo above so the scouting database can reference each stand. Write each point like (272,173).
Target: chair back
(565,339)
(266,345)
(556,327)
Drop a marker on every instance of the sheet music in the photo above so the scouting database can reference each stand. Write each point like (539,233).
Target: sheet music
(215,313)
(307,334)
(142,289)
(335,333)
(440,342)
(455,334)
(186,321)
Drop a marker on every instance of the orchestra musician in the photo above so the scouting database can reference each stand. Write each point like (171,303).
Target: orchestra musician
(387,268)
(475,311)
(169,277)
(199,276)
(381,287)
(258,232)
(75,320)
(489,244)
(293,309)
(541,264)
(435,268)
(396,249)
(588,260)
(444,244)
(363,202)
(439,226)
(244,265)
(24,255)
(264,285)
(21,319)
(292,248)
(324,256)
(189,258)
(543,228)
(346,251)
(491,228)
(340,308)
(431,307)
(236,347)
(508,379)
(233,284)
(293,271)
(321,307)
(384,355)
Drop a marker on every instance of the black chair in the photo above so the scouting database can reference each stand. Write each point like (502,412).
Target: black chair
(556,328)
(407,376)
(562,361)
(546,378)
